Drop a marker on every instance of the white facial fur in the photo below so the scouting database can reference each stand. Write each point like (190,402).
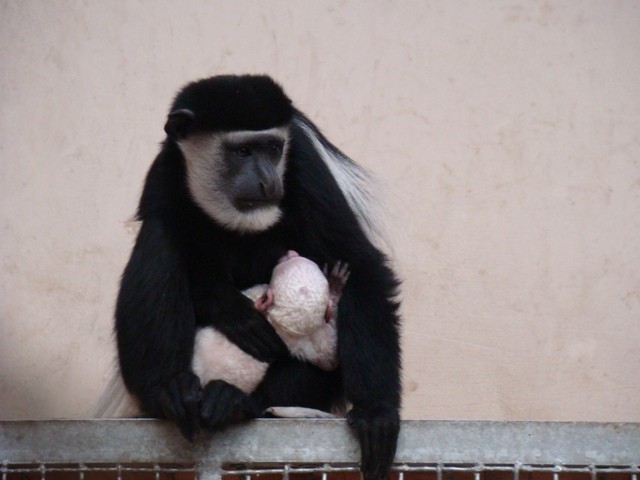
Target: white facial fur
(203,154)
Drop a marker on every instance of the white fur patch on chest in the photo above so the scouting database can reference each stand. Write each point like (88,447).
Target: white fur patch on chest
(216,358)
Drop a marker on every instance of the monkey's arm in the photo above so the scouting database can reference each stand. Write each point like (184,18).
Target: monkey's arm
(369,353)
(234,315)
(368,339)
(218,304)
(155,330)
(229,311)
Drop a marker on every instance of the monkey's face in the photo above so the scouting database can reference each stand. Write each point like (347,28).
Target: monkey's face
(237,177)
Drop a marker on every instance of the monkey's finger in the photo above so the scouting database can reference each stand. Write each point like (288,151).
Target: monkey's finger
(176,405)
(167,406)
(221,404)
(212,402)
(345,272)
(387,454)
(335,271)
(174,410)
(179,401)
(378,447)
(190,395)
(384,437)
(341,273)
(210,410)
(359,425)
(366,454)
(227,404)
(344,276)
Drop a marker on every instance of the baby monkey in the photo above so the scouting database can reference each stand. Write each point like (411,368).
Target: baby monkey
(301,303)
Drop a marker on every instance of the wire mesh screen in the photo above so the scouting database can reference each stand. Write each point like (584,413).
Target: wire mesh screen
(97,472)
(319,472)
(444,472)
(317,450)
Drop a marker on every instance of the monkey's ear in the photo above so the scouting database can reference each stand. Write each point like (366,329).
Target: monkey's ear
(178,123)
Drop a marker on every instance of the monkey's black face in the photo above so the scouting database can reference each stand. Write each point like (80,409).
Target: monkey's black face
(251,161)
(237,177)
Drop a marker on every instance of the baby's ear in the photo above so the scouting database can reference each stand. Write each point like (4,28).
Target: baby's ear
(264,302)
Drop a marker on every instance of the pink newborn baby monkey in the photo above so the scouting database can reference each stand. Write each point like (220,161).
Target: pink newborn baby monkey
(301,303)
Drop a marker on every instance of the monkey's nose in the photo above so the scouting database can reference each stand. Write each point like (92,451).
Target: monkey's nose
(270,190)
(269,182)
(266,190)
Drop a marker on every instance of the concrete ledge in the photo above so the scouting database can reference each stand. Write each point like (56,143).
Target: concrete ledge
(319,441)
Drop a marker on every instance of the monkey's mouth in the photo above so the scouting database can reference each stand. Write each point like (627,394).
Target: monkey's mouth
(249,204)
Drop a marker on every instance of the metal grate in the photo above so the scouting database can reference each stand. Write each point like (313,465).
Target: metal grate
(317,450)
(320,472)
(81,471)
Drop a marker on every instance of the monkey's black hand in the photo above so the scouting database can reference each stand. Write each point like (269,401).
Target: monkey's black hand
(224,404)
(377,431)
(179,399)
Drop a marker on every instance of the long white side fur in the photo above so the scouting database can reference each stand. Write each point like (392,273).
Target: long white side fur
(354,182)
(115,401)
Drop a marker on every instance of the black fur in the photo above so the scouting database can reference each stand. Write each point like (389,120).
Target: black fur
(229,102)
(185,271)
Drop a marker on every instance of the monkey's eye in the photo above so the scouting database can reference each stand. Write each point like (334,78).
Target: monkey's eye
(242,152)
(275,149)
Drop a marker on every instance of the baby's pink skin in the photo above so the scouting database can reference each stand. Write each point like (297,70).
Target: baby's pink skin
(288,256)
(262,304)
(337,279)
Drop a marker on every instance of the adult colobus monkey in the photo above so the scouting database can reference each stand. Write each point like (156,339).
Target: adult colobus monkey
(242,178)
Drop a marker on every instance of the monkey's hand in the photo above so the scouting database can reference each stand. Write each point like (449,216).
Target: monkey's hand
(179,400)
(224,404)
(377,431)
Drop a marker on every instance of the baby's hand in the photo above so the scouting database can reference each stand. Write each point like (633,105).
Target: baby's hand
(337,279)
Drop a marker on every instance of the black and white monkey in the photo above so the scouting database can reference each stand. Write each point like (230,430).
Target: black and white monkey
(242,178)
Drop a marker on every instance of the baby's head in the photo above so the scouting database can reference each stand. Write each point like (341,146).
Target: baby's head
(300,295)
